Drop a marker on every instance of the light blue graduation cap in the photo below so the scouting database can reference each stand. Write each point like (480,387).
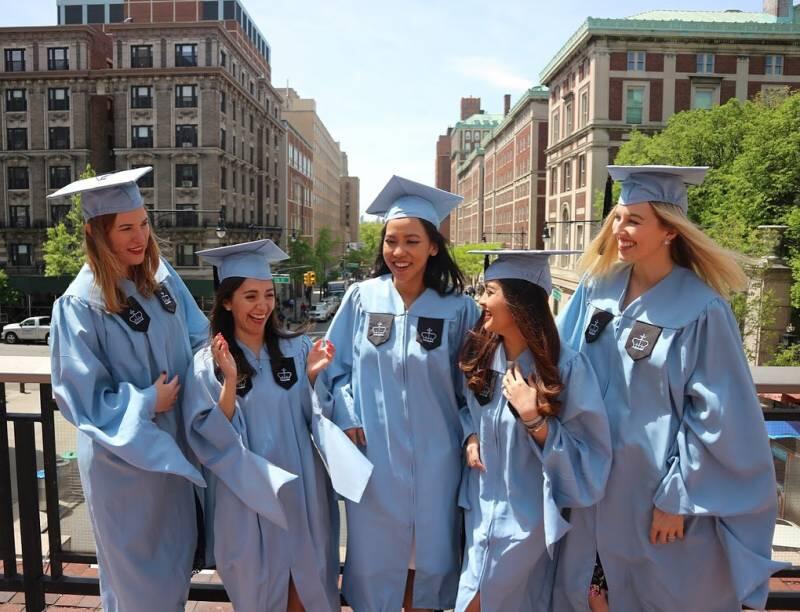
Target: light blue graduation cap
(402,198)
(531,266)
(107,194)
(248,259)
(657,183)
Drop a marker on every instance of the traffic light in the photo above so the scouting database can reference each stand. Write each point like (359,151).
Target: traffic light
(309,279)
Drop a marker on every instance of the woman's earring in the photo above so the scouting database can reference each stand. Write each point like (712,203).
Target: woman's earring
(668,242)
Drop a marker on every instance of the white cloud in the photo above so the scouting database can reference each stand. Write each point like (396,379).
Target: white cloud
(490,70)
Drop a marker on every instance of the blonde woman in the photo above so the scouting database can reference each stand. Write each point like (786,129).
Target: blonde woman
(690,505)
(123,335)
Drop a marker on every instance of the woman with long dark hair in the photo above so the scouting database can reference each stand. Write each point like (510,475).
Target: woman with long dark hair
(249,419)
(689,511)
(537,439)
(393,388)
(123,335)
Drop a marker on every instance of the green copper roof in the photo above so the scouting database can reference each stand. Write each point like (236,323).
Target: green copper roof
(480,120)
(706,16)
(677,24)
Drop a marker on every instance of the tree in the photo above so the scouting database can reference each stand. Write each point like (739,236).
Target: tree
(324,247)
(63,248)
(472,265)
(8,295)
(369,236)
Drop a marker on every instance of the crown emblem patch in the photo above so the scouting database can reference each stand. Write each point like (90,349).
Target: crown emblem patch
(165,299)
(135,316)
(429,332)
(379,328)
(600,319)
(642,340)
(284,372)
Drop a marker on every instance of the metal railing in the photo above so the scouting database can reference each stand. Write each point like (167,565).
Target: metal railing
(35,582)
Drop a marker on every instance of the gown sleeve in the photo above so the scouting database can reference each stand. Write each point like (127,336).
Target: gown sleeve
(721,450)
(220,445)
(576,456)
(570,321)
(196,321)
(469,317)
(117,415)
(333,388)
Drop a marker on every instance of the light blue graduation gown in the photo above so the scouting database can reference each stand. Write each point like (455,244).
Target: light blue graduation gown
(136,478)
(273,512)
(513,510)
(407,399)
(688,437)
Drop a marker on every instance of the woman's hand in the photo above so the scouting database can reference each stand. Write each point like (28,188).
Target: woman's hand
(473,453)
(166,392)
(522,395)
(319,357)
(356,435)
(666,527)
(223,358)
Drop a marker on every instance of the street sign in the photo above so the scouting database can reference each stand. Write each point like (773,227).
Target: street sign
(280,279)
(556,293)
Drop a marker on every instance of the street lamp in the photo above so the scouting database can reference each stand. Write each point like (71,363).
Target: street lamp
(221,230)
(545,233)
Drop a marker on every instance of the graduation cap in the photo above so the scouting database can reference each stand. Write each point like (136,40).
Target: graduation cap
(657,183)
(531,266)
(107,194)
(248,259)
(402,198)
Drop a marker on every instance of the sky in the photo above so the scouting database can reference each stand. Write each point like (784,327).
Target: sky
(388,77)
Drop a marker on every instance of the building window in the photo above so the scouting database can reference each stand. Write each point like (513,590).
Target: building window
(142,136)
(186,55)
(223,58)
(141,96)
(185,96)
(210,10)
(186,175)
(187,217)
(584,108)
(58,176)
(634,104)
(186,255)
(773,65)
(252,185)
(57,98)
(19,216)
(21,255)
(73,14)
(569,119)
(705,62)
(57,58)
(15,60)
(186,135)
(116,13)
(556,121)
(228,11)
(252,155)
(223,178)
(582,171)
(251,123)
(146,181)
(58,213)
(17,139)
(141,56)
(18,177)
(567,176)
(222,102)
(703,97)
(58,137)
(636,61)
(553,180)
(95,13)
(222,139)
(16,100)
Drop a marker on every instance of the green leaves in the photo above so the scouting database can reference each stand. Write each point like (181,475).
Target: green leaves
(63,248)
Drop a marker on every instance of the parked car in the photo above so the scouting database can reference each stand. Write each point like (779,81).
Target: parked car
(32,329)
(320,312)
(786,542)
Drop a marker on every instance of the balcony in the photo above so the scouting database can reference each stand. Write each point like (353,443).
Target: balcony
(15,65)
(58,64)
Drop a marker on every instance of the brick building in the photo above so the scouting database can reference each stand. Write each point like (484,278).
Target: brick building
(614,75)
(299,183)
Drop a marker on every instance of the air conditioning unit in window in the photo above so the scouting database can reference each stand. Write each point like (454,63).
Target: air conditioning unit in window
(186,144)
(187,184)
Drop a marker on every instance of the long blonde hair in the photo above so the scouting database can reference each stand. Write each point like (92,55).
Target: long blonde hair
(108,269)
(719,268)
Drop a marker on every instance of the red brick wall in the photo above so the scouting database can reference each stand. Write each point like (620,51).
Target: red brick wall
(580,199)
(100,49)
(163,11)
(791,65)
(186,11)
(140,12)
(469,107)
(725,64)
(443,163)
(619,61)
(727,91)
(683,95)
(753,87)
(656,99)
(654,62)
(541,159)
(615,99)
(686,62)
(757,64)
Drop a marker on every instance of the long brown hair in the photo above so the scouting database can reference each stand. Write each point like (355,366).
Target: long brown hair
(528,305)
(108,269)
(221,322)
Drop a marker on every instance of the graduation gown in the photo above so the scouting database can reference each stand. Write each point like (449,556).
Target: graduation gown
(273,512)
(513,509)
(136,478)
(688,437)
(396,375)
